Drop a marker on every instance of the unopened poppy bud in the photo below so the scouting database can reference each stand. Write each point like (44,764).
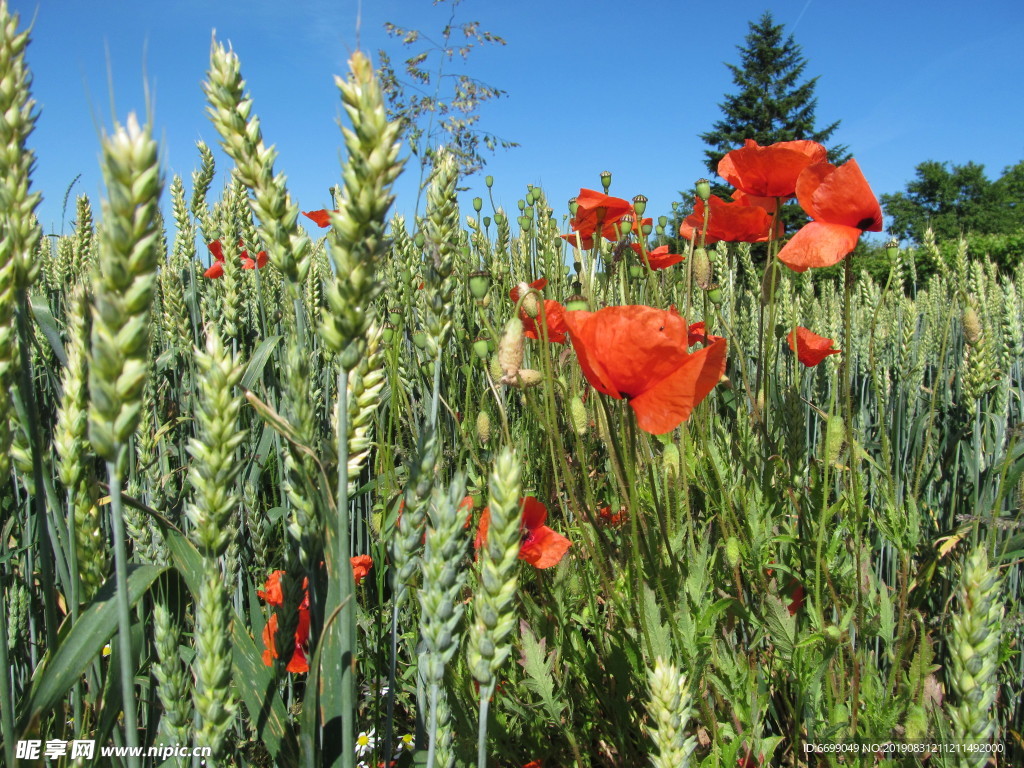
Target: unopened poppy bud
(972,327)
(420,339)
(387,334)
(703,189)
(522,204)
(892,248)
(525,378)
(702,269)
(480,348)
(524,222)
(574,206)
(487,221)
(670,460)
(606,179)
(395,318)
(479,282)
(833,634)
(576,303)
(489,181)
(663,221)
(495,368)
(835,436)
(419,240)
(499,218)
(715,296)
(478,204)
(578,415)
(659,230)
(510,351)
(528,300)
(635,270)
(732,551)
(483,427)
(639,204)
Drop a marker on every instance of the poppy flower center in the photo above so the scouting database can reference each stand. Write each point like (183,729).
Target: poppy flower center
(865,224)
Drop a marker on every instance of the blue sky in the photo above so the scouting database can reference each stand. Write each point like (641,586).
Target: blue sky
(591,86)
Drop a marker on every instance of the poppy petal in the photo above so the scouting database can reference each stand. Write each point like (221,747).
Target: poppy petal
(216,249)
(810,348)
(769,171)
(216,270)
(534,513)
(582,335)
(839,196)
(669,402)
(819,244)
(545,548)
(322,218)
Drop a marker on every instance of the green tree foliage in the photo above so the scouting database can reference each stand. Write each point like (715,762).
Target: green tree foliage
(960,200)
(772,102)
(437,107)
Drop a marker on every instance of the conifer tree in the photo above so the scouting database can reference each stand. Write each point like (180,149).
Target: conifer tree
(772,103)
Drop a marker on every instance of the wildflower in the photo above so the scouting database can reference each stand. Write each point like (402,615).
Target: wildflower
(842,207)
(273,595)
(796,599)
(697,334)
(407,741)
(598,212)
(541,546)
(365,742)
(732,222)
(613,519)
(321,218)
(770,171)
(659,258)
(216,269)
(361,565)
(810,348)
(554,316)
(640,353)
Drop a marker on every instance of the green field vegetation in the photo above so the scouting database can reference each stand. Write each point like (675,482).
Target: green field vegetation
(817,555)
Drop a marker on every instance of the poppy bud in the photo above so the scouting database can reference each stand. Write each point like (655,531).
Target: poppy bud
(659,230)
(578,415)
(715,296)
(525,378)
(635,270)
(483,427)
(479,282)
(573,206)
(702,269)
(480,348)
(663,221)
(670,460)
(835,436)
(833,634)
(420,339)
(510,351)
(489,181)
(577,266)
(606,179)
(522,204)
(972,326)
(576,304)
(528,300)
(419,240)
(487,221)
(646,229)
(892,248)
(499,218)
(395,318)
(387,334)
(524,222)
(639,204)
(703,189)
(732,551)
(478,204)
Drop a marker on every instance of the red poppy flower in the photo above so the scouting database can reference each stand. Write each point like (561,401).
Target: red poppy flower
(273,595)
(796,599)
(259,263)
(697,334)
(361,565)
(554,316)
(640,353)
(613,519)
(770,171)
(596,210)
(578,240)
(541,546)
(842,206)
(659,258)
(732,222)
(322,218)
(810,348)
(533,764)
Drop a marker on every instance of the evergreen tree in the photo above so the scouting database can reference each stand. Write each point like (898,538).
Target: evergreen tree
(772,104)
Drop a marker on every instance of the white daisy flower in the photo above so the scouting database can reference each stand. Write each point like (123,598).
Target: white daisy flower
(365,742)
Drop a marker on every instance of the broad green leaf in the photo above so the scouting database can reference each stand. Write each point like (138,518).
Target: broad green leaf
(43,316)
(258,361)
(80,643)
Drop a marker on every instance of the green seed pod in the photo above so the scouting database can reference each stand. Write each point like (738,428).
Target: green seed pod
(606,179)
(479,283)
(703,187)
(639,204)
(478,204)
(489,181)
(480,348)
(576,304)
(732,551)
(715,296)
(635,271)
(420,339)
(833,634)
